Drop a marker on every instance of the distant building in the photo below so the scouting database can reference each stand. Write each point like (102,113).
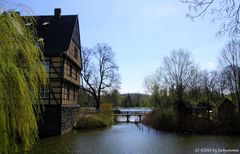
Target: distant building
(202,109)
(186,109)
(62,51)
(226,110)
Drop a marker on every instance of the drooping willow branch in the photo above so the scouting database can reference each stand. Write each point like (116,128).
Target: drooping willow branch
(21,73)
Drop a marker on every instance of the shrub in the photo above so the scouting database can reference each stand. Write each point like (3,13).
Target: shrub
(102,119)
(90,122)
(106,108)
(106,113)
(167,120)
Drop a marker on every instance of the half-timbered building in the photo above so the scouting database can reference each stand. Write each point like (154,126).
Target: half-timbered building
(61,47)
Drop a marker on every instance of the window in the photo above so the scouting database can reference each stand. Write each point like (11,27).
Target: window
(70,70)
(76,52)
(47,65)
(28,24)
(76,74)
(45,23)
(44,91)
(74,94)
(68,93)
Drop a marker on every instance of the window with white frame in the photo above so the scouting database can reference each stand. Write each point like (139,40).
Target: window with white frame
(44,91)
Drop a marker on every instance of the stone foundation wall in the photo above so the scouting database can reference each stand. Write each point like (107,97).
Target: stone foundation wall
(68,117)
(56,120)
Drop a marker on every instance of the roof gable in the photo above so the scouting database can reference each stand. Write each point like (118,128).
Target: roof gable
(57,33)
(76,34)
(227,102)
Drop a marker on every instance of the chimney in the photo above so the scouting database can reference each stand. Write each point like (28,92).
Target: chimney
(57,13)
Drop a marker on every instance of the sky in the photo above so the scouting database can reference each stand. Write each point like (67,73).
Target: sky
(140,32)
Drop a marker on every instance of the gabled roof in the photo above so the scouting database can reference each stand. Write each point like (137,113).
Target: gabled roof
(203,105)
(57,33)
(227,101)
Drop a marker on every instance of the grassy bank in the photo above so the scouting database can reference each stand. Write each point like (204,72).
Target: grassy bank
(90,119)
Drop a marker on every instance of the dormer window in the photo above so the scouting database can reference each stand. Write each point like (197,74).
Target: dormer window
(45,23)
(40,39)
(28,24)
(40,43)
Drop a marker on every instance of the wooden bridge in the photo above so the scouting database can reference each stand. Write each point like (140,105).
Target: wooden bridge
(128,114)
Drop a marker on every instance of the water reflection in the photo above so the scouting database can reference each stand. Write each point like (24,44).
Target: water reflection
(130,138)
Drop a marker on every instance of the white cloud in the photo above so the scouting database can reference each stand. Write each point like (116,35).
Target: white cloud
(211,65)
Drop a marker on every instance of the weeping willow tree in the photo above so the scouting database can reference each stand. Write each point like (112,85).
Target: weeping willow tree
(21,73)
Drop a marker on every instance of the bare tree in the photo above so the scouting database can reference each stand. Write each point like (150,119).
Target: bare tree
(209,82)
(178,70)
(230,62)
(100,72)
(150,81)
(194,88)
(227,11)
(152,86)
(156,96)
(227,82)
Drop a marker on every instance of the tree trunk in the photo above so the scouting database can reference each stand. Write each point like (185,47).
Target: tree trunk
(180,94)
(97,104)
(238,101)
(97,100)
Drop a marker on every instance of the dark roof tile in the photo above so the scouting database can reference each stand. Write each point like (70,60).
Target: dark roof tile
(56,33)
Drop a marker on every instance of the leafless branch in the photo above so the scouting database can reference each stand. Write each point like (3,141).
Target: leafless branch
(100,72)
(226,11)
